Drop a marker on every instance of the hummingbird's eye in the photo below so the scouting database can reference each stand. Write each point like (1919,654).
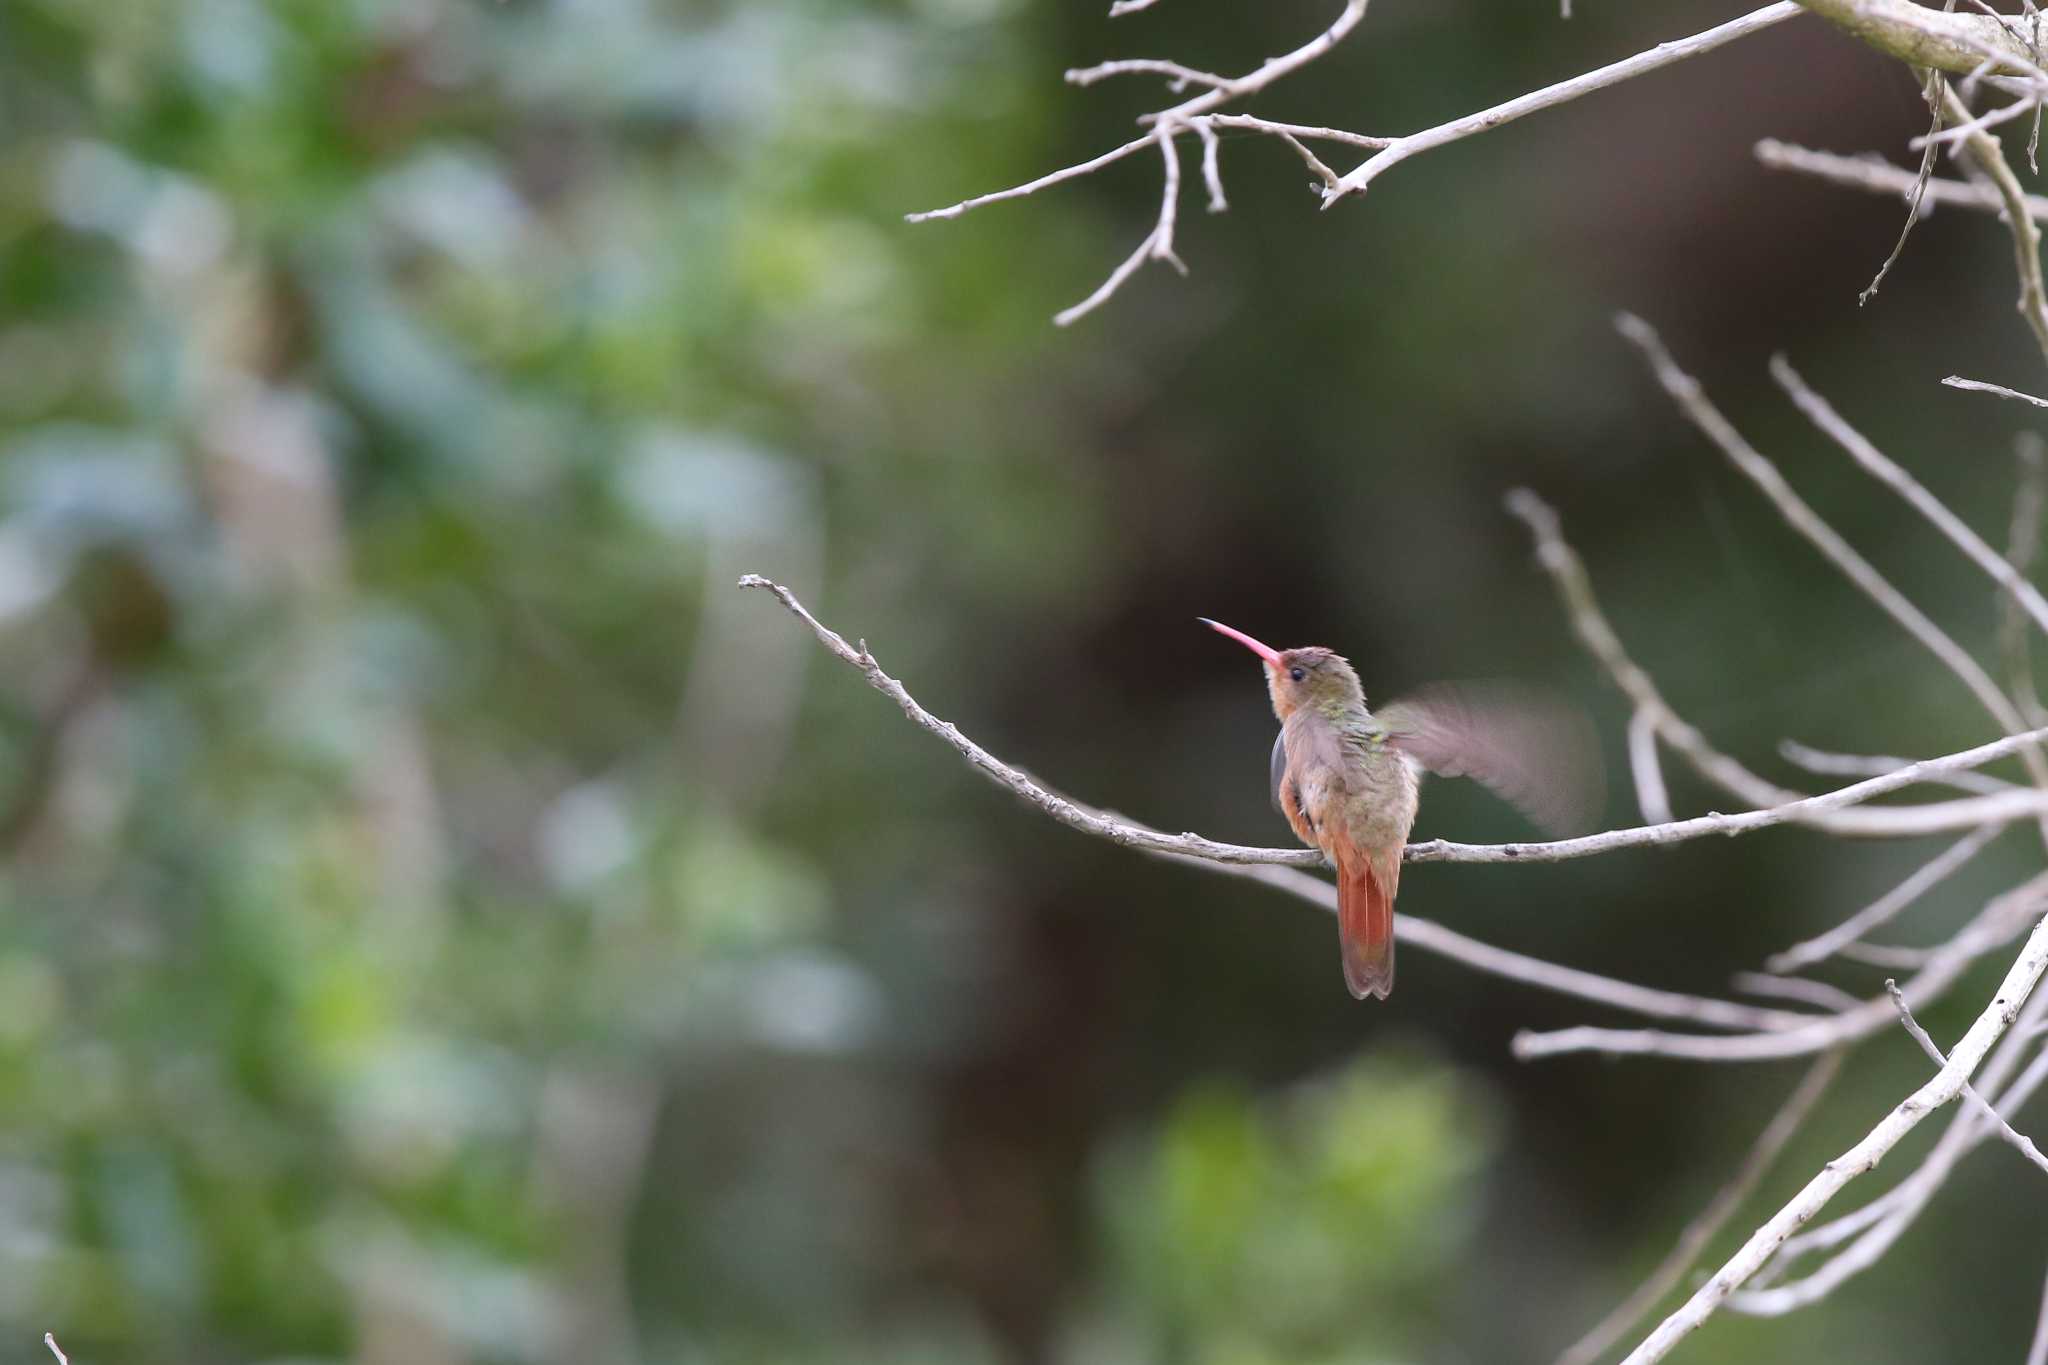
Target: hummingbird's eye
(1297,673)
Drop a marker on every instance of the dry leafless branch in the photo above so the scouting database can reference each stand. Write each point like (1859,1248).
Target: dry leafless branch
(1880,911)
(1861,1158)
(1878,176)
(1979,386)
(1710,1220)
(2019,1141)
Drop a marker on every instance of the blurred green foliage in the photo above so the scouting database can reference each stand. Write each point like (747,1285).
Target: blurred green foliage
(444,921)
(1315,1227)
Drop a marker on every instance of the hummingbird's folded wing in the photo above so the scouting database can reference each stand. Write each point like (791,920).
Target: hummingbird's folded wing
(1536,751)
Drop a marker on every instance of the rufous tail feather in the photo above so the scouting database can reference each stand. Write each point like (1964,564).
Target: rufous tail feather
(1365,927)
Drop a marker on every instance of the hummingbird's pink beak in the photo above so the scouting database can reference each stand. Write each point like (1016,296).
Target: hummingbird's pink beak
(1266,652)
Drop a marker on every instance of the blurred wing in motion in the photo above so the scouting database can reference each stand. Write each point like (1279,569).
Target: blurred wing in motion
(1536,751)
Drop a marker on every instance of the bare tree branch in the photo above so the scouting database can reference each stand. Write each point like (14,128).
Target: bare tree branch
(1989,157)
(1651,797)
(2023,541)
(1795,988)
(1879,1224)
(1927,876)
(1582,608)
(2019,1141)
(1916,198)
(1710,1220)
(1432,937)
(1864,1156)
(1993,925)
(1830,764)
(1955,43)
(1888,472)
(1878,176)
(2037,1354)
(1979,386)
(1693,402)
(1550,96)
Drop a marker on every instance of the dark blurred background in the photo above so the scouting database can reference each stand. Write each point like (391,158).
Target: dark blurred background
(447,921)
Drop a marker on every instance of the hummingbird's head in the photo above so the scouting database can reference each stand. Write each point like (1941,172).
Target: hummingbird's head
(1310,676)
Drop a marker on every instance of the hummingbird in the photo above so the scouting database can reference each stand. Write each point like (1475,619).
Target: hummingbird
(1347,777)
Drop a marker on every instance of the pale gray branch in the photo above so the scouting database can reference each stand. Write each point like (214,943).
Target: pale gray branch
(1879,1224)
(2037,1354)
(1830,764)
(1885,907)
(1303,130)
(1582,608)
(1046,181)
(2023,541)
(2019,1141)
(1651,796)
(1955,43)
(1432,937)
(1864,1156)
(1984,150)
(1642,63)
(1979,386)
(1180,76)
(1692,401)
(1871,172)
(1889,472)
(1992,926)
(1795,988)
(1710,1220)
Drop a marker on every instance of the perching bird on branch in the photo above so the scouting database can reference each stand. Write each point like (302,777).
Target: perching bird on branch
(1346,777)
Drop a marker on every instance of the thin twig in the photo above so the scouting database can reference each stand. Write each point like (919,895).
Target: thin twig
(50,1341)
(1918,194)
(2037,1354)
(1989,157)
(1158,243)
(1590,624)
(1945,966)
(1029,187)
(1864,1156)
(2023,541)
(1886,955)
(1642,63)
(1888,472)
(1692,401)
(1432,937)
(1180,76)
(1794,988)
(1651,796)
(1830,764)
(1791,1116)
(1872,173)
(1212,171)
(1979,386)
(1880,1223)
(2019,1141)
(1310,131)
(1929,875)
